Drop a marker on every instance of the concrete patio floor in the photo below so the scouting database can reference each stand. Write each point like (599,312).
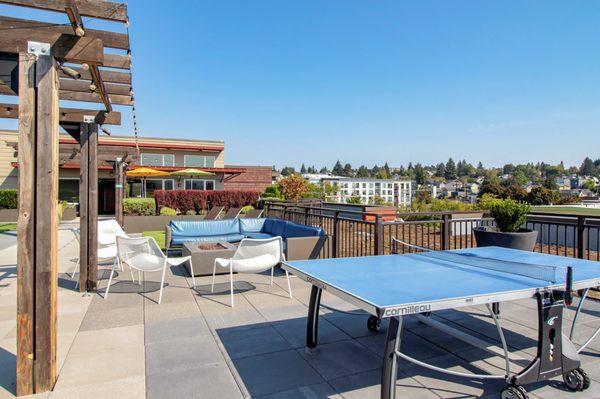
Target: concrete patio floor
(194,345)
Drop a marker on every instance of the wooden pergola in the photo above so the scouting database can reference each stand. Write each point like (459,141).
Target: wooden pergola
(43,63)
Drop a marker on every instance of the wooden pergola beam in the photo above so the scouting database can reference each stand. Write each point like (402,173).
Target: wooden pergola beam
(78,50)
(84,87)
(107,76)
(107,10)
(68,115)
(95,97)
(76,90)
(75,18)
(22,26)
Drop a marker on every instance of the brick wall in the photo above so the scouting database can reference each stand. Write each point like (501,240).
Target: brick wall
(255,178)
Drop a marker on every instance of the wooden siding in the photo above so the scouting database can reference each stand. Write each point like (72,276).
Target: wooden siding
(255,178)
(9,176)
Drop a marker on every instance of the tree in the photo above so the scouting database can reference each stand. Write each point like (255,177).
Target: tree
(492,188)
(450,171)
(542,196)
(517,178)
(480,169)
(293,187)
(355,199)
(338,169)
(515,192)
(440,170)
(420,174)
(324,170)
(589,185)
(386,167)
(287,171)
(587,167)
(348,171)
(303,169)
(508,169)
(375,170)
(363,172)
(550,183)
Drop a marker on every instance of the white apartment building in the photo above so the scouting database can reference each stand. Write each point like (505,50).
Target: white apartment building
(397,192)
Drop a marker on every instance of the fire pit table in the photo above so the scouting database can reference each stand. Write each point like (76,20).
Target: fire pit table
(204,253)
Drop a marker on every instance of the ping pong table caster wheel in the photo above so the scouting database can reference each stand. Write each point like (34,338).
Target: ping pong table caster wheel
(577,380)
(374,323)
(514,392)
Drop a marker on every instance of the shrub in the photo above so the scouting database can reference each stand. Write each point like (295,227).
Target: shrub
(190,212)
(272,191)
(509,214)
(8,199)
(195,201)
(166,211)
(139,207)
(247,209)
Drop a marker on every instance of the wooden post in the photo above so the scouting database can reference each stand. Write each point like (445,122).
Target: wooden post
(119,190)
(336,233)
(580,237)
(88,207)
(83,206)
(379,247)
(38,223)
(445,232)
(26,226)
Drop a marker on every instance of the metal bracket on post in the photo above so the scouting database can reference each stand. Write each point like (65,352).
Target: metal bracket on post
(89,119)
(37,48)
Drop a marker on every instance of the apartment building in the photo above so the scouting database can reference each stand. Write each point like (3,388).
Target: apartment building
(393,191)
(166,154)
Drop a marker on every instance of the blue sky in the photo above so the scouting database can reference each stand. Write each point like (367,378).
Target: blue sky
(284,82)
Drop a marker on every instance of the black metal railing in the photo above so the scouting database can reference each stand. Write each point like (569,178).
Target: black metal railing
(356,233)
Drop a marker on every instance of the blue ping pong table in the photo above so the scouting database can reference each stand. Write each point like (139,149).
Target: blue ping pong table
(416,284)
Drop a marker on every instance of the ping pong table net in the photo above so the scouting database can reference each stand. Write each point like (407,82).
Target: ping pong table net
(550,274)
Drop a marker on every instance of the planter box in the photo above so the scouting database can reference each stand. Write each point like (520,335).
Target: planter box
(138,224)
(8,215)
(490,236)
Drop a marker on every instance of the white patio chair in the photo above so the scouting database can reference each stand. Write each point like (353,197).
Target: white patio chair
(253,256)
(108,231)
(144,255)
(105,255)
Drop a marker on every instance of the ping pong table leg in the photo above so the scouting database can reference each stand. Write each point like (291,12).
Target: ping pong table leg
(390,358)
(312,323)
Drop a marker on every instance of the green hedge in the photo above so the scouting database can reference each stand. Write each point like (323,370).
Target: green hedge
(8,199)
(139,207)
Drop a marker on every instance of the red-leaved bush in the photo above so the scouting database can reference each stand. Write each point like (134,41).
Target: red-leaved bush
(196,200)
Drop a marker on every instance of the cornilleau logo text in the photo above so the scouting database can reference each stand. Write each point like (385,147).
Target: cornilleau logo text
(408,309)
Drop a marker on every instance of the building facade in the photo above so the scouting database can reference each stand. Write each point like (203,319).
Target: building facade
(165,154)
(392,191)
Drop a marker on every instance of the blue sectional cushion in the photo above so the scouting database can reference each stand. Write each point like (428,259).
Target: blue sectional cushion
(258,235)
(251,225)
(200,228)
(300,230)
(225,237)
(275,227)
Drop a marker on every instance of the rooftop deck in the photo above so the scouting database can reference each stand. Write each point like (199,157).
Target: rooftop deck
(195,345)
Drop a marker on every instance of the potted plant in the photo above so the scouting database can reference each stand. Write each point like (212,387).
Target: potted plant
(510,216)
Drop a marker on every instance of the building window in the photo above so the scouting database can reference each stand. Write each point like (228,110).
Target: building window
(68,190)
(206,161)
(158,159)
(158,184)
(199,184)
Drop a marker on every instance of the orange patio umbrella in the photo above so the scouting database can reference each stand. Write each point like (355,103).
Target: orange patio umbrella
(145,172)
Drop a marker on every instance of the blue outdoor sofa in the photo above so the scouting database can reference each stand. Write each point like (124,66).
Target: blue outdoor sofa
(299,241)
